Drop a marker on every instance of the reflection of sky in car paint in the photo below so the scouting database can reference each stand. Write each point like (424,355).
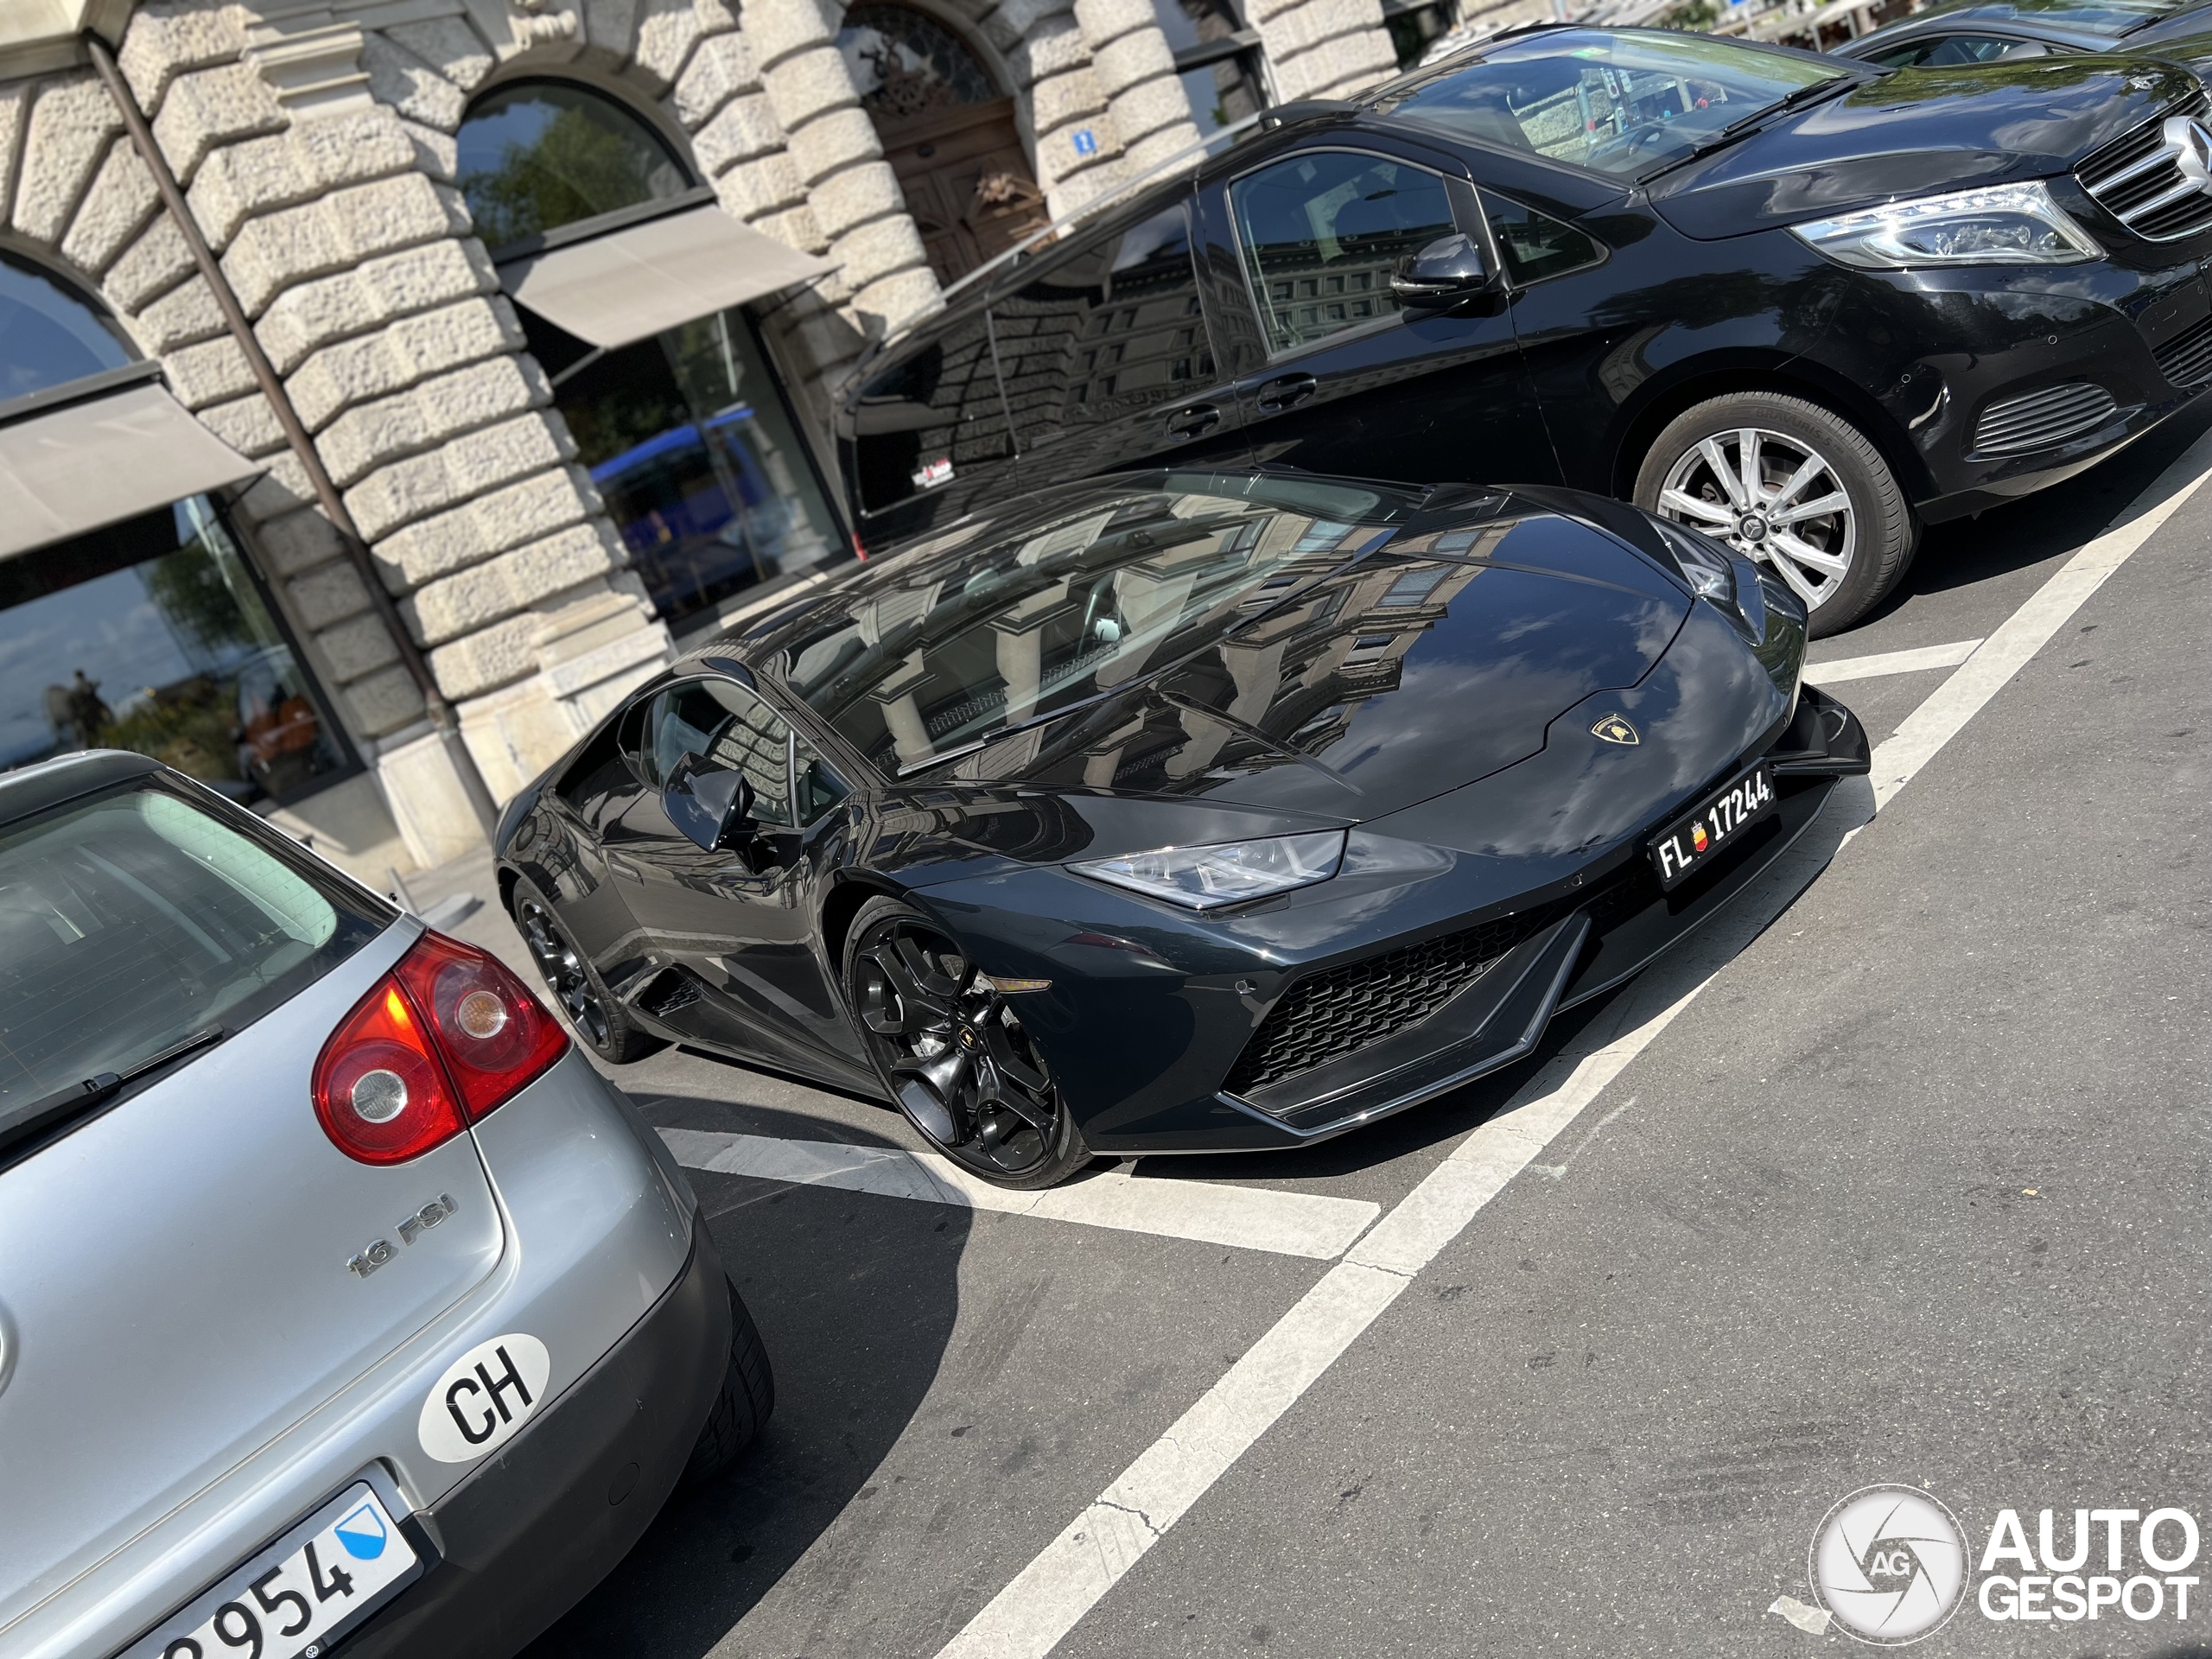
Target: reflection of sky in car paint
(107,626)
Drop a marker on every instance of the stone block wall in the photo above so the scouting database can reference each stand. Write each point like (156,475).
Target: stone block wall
(315,142)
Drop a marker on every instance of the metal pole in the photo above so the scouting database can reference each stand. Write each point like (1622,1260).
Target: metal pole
(295,431)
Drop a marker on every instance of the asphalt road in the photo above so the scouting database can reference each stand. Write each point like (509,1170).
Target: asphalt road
(1912,1191)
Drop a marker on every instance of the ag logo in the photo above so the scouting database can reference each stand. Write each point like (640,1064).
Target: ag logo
(1614,729)
(1890,1565)
(2192,146)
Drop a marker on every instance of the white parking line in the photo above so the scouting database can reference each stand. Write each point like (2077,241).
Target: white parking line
(1311,1224)
(1890,662)
(1027,1618)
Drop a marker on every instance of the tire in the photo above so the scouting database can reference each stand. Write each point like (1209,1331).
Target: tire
(593,1011)
(1842,562)
(951,1052)
(743,1407)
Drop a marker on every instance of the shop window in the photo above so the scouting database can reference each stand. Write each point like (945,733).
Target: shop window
(1217,59)
(540,154)
(1416,25)
(152,635)
(687,437)
(687,434)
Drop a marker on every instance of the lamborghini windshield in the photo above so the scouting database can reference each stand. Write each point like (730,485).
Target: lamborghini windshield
(949,645)
(1622,102)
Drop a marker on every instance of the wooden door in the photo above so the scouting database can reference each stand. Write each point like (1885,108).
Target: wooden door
(968,182)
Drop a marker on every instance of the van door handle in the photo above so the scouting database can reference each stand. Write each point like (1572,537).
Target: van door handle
(1284,391)
(1190,422)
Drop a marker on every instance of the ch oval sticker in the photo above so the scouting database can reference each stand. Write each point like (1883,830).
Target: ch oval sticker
(485,1398)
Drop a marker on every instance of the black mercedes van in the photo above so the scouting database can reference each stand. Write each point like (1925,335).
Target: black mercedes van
(1804,305)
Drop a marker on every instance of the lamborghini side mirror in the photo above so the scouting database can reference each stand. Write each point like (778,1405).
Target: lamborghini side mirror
(711,807)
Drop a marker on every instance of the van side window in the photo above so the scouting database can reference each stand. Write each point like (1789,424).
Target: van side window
(1110,331)
(922,420)
(1320,231)
(1535,245)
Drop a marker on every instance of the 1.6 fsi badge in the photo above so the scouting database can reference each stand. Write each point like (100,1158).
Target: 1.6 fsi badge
(1890,1565)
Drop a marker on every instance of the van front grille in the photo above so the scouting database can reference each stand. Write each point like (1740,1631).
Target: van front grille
(2186,359)
(2040,419)
(2139,179)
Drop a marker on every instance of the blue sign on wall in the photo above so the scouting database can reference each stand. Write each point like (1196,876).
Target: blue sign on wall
(1086,142)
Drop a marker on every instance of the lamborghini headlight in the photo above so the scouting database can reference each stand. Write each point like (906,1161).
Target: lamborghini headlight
(1229,872)
(2001,225)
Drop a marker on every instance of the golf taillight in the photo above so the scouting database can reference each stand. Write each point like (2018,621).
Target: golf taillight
(442,1039)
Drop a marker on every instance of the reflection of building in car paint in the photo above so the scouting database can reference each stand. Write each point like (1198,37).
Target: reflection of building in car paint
(1298,678)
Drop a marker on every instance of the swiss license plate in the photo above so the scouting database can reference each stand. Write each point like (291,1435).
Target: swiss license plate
(1692,841)
(302,1593)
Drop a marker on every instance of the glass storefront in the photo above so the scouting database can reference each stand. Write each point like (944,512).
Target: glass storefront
(686,435)
(148,634)
(151,635)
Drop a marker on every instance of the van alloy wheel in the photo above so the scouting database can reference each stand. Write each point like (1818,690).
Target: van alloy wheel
(1775,499)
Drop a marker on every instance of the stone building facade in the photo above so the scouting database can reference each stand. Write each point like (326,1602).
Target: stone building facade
(319,144)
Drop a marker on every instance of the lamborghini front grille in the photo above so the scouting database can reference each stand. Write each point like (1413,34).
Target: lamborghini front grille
(1338,1011)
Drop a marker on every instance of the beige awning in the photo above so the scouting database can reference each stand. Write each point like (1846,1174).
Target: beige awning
(630,284)
(97,462)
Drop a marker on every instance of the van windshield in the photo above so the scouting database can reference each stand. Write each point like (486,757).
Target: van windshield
(1621,102)
(948,644)
(134,920)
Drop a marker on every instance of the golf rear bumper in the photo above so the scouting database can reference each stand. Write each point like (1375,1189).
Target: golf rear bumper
(523,1539)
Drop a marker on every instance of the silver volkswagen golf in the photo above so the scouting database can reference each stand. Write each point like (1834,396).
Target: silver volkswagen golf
(340,1300)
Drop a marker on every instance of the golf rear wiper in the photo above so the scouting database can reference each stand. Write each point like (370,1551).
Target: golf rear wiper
(1728,134)
(36,1117)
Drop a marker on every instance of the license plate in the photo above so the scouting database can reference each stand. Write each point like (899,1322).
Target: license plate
(301,1594)
(1691,842)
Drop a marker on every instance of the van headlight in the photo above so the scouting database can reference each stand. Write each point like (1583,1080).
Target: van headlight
(1224,873)
(2002,225)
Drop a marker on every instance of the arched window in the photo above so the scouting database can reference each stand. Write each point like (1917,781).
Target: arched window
(50,335)
(685,433)
(542,154)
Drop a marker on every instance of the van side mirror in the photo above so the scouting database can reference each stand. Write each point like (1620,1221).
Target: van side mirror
(1441,275)
(711,807)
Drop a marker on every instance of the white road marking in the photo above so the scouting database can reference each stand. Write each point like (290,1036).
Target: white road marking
(1027,1618)
(1890,662)
(2024,632)
(1311,1225)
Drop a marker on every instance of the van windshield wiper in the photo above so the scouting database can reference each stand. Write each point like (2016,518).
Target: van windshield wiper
(36,1117)
(1728,134)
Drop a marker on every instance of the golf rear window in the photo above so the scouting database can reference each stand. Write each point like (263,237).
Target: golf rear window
(137,919)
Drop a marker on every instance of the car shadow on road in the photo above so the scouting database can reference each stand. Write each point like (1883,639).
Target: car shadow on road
(855,1298)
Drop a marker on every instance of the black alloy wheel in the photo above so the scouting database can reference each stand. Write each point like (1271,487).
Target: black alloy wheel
(578,992)
(954,1053)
